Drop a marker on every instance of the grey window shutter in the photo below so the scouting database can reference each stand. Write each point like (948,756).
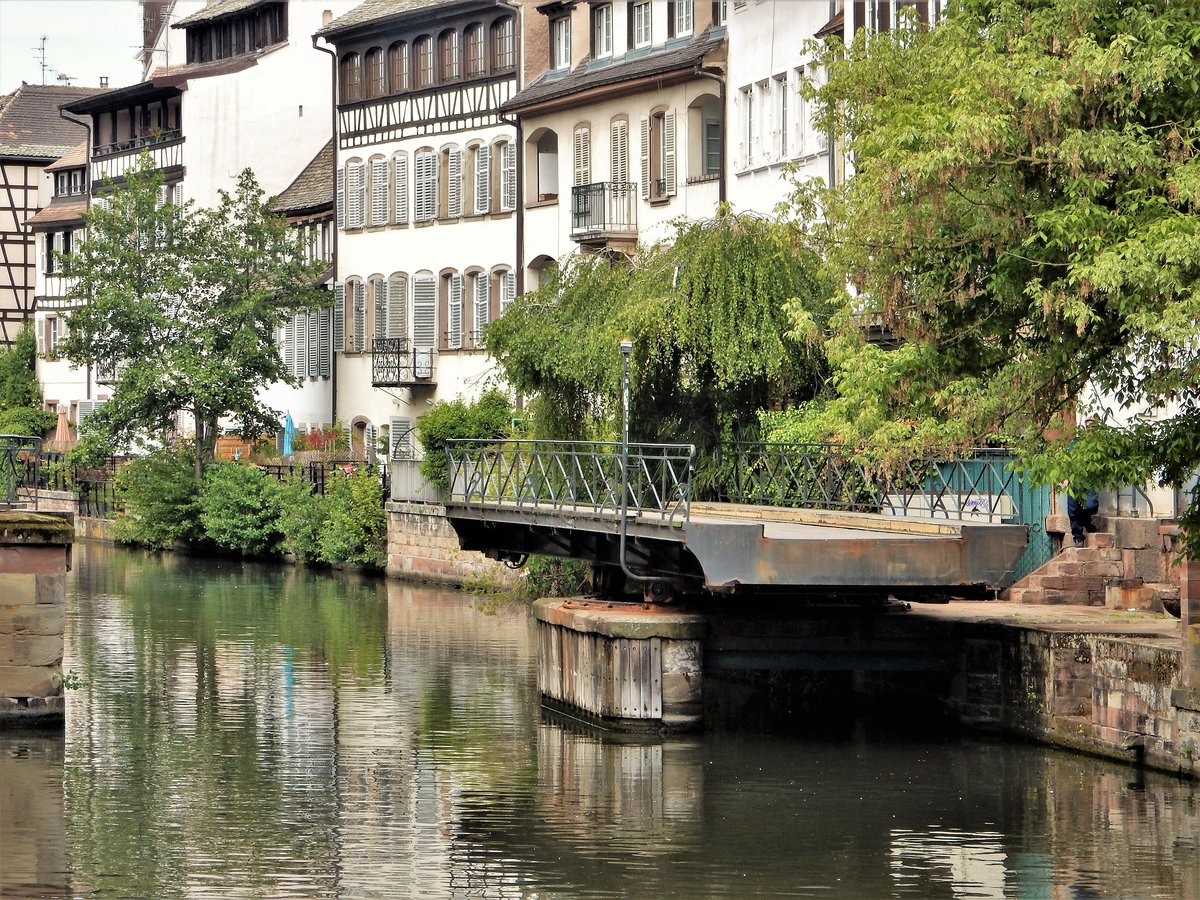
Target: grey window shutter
(397,312)
(668,166)
(645,123)
(314,343)
(483,180)
(454,174)
(340,190)
(339,318)
(424,311)
(400,185)
(324,323)
(359,336)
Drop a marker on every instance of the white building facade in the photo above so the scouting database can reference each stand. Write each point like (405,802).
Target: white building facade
(426,174)
(624,131)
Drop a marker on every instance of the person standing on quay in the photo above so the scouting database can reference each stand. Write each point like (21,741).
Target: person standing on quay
(1082,506)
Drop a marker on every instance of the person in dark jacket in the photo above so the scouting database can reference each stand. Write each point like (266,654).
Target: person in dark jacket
(1082,506)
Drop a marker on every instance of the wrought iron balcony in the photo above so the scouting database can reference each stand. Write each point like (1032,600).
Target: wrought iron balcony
(395,362)
(604,210)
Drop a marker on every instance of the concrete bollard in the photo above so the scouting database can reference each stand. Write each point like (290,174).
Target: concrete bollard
(35,555)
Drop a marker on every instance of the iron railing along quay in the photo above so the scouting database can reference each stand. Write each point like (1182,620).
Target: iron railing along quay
(576,476)
(18,452)
(319,473)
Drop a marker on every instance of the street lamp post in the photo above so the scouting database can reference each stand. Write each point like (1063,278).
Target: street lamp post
(626,351)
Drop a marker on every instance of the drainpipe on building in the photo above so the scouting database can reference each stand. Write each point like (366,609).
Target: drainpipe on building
(87,174)
(333,125)
(719,78)
(520,210)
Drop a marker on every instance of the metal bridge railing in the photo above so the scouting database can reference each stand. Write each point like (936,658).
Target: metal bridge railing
(580,476)
(979,485)
(16,453)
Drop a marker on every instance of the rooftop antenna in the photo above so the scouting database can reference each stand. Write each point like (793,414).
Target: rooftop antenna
(65,78)
(39,53)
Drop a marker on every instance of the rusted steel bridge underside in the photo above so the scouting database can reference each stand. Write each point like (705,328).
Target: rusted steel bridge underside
(572,501)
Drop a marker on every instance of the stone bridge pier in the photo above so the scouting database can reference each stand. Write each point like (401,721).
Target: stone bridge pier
(35,554)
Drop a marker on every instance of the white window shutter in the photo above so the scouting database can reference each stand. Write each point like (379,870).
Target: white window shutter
(299,345)
(360,316)
(508,291)
(668,165)
(285,344)
(397,311)
(381,308)
(400,188)
(340,190)
(427,186)
(645,123)
(583,156)
(483,306)
(400,437)
(483,179)
(424,312)
(508,177)
(454,171)
(314,343)
(356,189)
(454,309)
(379,192)
(370,441)
(620,151)
(339,318)
(324,321)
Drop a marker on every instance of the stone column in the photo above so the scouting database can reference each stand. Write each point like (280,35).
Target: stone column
(35,553)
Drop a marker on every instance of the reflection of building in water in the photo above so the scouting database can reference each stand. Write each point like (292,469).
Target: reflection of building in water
(33,859)
(975,863)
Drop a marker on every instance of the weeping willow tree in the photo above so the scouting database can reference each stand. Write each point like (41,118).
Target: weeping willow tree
(725,320)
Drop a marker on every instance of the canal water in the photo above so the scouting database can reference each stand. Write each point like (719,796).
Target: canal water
(248,731)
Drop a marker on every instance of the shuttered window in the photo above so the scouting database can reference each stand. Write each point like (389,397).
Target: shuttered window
(668,154)
(619,135)
(340,190)
(300,344)
(508,288)
(339,318)
(397,306)
(356,186)
(583,157)
(314,343)
(645,124)
(508,177)
(400,188)
(381,307)
(324,343)
(401,438)
(424,327)
(359,335)
(379,191)
(454,183)
(483,307)
(454,312)
(483,180)
(426,186)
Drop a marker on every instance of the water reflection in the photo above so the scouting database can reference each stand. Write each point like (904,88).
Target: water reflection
(248,731)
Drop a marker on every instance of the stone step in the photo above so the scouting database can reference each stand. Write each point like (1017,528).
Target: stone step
(1072,598)
(1101,540)
(1024,595)
(1069,582)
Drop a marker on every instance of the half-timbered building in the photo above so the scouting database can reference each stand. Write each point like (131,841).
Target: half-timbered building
(33,135)
(624,130)
(426,174)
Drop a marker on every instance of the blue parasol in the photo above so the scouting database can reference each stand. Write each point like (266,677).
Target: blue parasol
(289,434)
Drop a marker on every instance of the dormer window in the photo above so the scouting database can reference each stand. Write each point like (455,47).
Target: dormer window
(640,24)
(602,27)
(680,18)
(68,182)
(560,43)
(235,35)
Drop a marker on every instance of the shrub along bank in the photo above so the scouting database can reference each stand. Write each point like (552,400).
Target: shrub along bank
(239,508)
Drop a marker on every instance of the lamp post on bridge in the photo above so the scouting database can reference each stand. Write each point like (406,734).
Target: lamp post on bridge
(626,352)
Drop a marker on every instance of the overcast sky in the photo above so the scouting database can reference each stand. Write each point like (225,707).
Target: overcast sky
(84,39)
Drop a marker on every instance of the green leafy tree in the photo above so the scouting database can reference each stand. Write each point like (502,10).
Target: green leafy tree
(1022,219)
(725,320)
(488,418)
(184,301)
(355,527)
(20,395)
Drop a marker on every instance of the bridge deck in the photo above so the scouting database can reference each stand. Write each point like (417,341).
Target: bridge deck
(725,546)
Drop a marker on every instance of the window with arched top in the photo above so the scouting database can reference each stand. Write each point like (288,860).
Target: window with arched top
(504,57)
(424,68)
(350,82)
(476,62)
(374,73)
(399,68)
(449,56)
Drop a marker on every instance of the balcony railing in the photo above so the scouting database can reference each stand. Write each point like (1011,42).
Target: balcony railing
(113,160)
(603,210)
(395,362)
(136,143)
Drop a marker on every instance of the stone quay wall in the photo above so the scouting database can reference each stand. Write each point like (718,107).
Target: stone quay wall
(35,554)
(422,546)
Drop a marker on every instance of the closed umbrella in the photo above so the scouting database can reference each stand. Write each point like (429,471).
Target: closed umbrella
(62,433)
(289,434)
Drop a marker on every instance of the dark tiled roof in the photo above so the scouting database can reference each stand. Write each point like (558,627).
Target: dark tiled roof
(597,73)
(58,213)
(218,8)
(30,126)
(376,10)
(836,25)
(312,189)
(72,159)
